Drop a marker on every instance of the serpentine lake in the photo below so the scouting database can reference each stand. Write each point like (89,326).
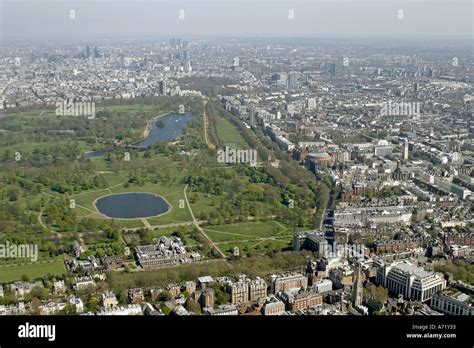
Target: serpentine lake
(170,127)
(131,205)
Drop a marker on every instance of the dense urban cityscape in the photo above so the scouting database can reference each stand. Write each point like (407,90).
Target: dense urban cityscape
(209,172)
(358,200)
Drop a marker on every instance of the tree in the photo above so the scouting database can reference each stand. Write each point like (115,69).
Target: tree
(164,296)
(193,306)
(35,306)
(92,304)
(378,293)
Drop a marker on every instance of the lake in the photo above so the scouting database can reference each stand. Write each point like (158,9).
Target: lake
(93,154)
(131,205)
(171,127)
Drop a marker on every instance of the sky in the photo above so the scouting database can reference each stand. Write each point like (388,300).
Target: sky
(115,19)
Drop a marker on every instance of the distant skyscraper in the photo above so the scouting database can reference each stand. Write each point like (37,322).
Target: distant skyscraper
(22,72)
(332,69)
(187,67)
(405,150)
(162,87)
(88,52)
(312,103)
(293,81)
(96,52)
(252,116)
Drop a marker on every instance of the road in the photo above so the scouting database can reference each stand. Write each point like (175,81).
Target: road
(206,124)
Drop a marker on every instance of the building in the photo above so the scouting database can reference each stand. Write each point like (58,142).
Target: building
(452,303)
(109,300)
(226,309)
(273,306)
(83,283)
(257,289)
(410,281)
(112,262)
(162,87)
(239,292)
(168,251)
(288,283)
(310,240)
(383,150)
(205,282)
(131,309)
(174,290)
(154,293)
(190,287)
(59,287)
(136,296)
(51,308)
(324,285)
(77,303)
(301,300)
(204,297)
(20,289)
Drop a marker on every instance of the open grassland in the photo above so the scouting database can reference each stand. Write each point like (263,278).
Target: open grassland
(13,272)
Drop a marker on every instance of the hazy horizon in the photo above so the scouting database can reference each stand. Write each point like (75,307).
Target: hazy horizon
(126,19)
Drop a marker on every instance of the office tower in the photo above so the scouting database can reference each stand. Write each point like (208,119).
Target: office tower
(332,69)
(405,150)
(162,87)
(293,81)
(311,104)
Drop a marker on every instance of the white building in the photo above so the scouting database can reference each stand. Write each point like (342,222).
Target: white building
(131,309)
(324,285)
(452,303)
(77,302)
(410,281)
(227,309)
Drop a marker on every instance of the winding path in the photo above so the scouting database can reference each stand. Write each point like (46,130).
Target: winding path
(195,222)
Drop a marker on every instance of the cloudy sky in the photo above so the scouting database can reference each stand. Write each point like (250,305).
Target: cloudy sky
(50,19)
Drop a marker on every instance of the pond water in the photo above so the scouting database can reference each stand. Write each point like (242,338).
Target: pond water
(168,129)
(93,154)
(131,205)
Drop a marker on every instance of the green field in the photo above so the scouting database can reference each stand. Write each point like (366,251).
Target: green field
(229,135)
(256,236)
(10,273)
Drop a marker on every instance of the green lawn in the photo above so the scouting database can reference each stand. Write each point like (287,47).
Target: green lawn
(229,135)
(248,236)
(11,273)
(263,229)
